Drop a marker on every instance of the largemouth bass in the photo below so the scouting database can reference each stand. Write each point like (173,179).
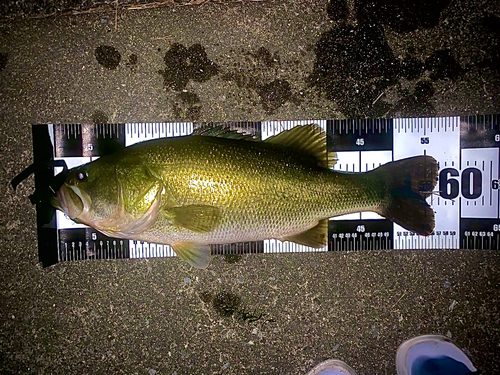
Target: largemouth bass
(193,191)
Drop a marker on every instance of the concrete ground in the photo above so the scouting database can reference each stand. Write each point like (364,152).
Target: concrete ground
(257,314)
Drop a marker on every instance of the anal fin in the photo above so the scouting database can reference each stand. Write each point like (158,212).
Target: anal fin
(196,255)
(316,237)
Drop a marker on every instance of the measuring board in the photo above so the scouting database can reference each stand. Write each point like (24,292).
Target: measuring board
(467,209)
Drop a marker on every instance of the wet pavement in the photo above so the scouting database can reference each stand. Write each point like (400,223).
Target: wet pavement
(248,61)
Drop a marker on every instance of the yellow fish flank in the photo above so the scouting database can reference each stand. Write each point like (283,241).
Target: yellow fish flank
(193,191)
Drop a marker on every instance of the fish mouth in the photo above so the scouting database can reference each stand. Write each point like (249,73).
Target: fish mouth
(70,200)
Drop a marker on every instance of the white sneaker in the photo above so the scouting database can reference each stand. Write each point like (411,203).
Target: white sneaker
(332,367)
(432,354)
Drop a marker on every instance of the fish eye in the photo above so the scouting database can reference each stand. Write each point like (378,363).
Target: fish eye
(82,176)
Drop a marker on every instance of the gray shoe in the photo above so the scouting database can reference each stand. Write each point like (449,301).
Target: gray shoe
(332,367)
(420,354)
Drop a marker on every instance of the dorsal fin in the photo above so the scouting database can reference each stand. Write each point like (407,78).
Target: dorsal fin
(310,139)
(222,131)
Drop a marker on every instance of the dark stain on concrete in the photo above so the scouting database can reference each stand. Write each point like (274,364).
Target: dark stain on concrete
(265,56)
(227,304)
(132,62)
(108,56)
(411,68)
(206,297)
(224,303)
(416,102)
(337,10)
(3,60)
(188,97)
(183,64)
(354,65)
(491,23)
(187,105)
(258,72)
(402,16)
(274,94)
(486,32)
(443,65)
(99,117)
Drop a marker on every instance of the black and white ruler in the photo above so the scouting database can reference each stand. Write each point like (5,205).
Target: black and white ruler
(467,210)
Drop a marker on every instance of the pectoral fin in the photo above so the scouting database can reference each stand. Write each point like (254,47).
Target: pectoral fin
(315,237)
(198,218)
(196,255)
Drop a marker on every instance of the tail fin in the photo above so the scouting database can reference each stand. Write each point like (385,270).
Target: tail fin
(409,182)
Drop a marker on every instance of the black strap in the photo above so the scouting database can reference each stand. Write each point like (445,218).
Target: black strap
(49,187)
